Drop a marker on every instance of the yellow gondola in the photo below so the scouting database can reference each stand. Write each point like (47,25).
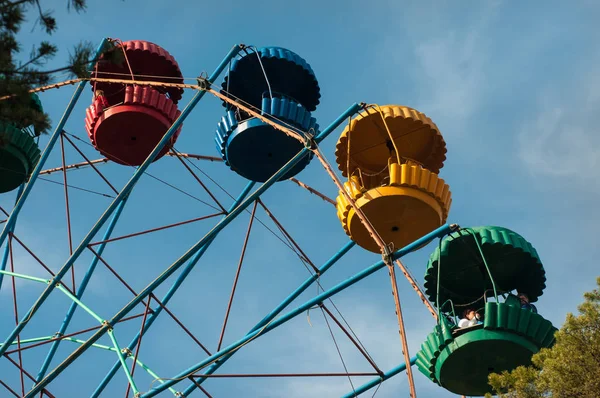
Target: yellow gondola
(391,156)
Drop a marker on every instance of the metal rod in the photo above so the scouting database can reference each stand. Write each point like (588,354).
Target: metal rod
(137,349)
(288,236)
(180,324)
(208,237)
(74,166)
(150,297)
(55,337)
(33,340)
(111,334)
(49,87)
(15,275)
(124,193)
(305,285)
(116,274)
(361,215)
(313,191)
(9,389)
(67,207)
(9,231)
(401,329)
(201,388)
(416,288)
(353,340)
(32,254)
(80,303)
(84,283)
(151,373)
(237,273)
(154,229)
(105,160)
(327,131)
(215,359)
(51,142)
(16,312)
(113,349)
(178,282)
(199,181)
(45,391)
(198,157)
(89,163)
(379,380)
(252,375)
(384,250)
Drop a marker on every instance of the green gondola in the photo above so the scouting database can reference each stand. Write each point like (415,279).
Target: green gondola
(19,152)
(471,263)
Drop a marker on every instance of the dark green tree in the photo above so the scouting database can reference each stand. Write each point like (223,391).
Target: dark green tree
(19,74)
(570,369)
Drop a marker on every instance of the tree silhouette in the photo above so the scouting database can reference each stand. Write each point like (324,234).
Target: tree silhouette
(571,368)
(17,78)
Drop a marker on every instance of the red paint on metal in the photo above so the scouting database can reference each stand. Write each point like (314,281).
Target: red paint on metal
(30,346)
(139,343)
(127,133)
(29,376)
(237,275)
(148,62)
(16,310)
(289,237)
(155,229)
(9,389)
(356,344)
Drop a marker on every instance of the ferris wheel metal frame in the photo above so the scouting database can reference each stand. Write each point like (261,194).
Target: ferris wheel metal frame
(188,260)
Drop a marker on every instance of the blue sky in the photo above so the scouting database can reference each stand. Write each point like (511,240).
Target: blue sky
(512,87)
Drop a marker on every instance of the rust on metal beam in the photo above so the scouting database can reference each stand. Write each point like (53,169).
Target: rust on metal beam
(313,191)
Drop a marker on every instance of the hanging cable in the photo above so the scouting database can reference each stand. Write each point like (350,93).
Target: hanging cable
(338,349)
(263,70)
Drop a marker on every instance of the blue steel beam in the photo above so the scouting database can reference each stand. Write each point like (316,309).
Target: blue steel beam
(173,267)
(307,283)
(40,165)
(443,230)
(80,290)
(378,380)
(152,317)
(7,248)
(111,208)
(273,313)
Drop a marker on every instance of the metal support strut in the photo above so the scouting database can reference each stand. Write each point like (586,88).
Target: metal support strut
(122,195)
(389,261)
(216,360)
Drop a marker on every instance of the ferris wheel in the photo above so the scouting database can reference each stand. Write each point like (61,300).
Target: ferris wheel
(391,201)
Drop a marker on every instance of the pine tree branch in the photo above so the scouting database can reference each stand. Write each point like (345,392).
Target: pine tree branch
(14,4)
(31,61)
(37,72)
(18,79)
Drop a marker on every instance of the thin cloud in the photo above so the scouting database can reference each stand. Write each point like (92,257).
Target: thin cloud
(562,140)
(451,69)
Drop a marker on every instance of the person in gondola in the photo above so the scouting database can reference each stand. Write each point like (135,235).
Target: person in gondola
(100,100)
(525,304)
(470,318)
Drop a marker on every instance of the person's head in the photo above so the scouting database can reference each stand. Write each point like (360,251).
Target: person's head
(524,298)
(469,313)
(99,92)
